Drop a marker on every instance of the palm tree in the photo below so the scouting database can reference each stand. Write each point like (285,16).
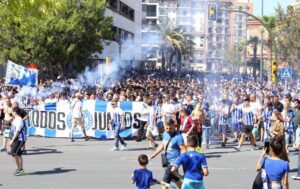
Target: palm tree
(254,42)
(174,41)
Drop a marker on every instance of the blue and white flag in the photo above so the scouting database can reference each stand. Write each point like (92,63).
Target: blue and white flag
(19,75)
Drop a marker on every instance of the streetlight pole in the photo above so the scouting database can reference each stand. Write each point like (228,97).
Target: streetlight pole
(261,46)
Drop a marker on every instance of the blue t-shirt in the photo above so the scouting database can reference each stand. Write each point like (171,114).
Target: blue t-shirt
(192,163)
(143,178)
(276,169)
(173,151)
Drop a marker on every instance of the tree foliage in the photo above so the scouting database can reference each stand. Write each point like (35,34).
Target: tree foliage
(56,34)
(287,33)
(174,41)
(233,56)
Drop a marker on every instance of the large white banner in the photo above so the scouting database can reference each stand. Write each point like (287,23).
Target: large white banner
(55,120)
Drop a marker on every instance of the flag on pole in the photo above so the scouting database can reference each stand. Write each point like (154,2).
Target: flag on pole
(19,75)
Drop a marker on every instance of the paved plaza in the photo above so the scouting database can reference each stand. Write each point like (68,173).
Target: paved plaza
(60,164)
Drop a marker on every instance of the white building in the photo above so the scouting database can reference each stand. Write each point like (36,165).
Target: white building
(127,20)
(150,35)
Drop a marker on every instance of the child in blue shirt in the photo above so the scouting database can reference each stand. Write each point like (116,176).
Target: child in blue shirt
(194,166)
(142,177)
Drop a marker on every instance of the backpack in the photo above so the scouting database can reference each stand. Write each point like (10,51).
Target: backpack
(261,180)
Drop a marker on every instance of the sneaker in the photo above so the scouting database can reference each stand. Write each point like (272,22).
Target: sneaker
(72,140)
(165,184)
(235,140)
(20,172)
(255,148)
(123,147)
(86,138)
(226,140)
(223,144)
(114,149)
(237,148)
(24,152)
(16,171)
(3,150)
(296,177)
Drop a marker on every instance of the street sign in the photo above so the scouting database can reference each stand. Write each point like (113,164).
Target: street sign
(286,73)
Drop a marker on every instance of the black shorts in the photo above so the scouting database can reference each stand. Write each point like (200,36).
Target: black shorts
(16,148)
(247,129)
(169,177)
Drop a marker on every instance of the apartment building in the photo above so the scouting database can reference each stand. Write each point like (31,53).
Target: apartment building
(212,39)
(296,5)
(191,17)
(127,20)
(150,36)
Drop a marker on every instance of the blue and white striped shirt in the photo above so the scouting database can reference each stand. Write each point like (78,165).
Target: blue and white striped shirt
(223,116)
(248,116)
(267,115)
(236,115)
(157,110)
(289,125)
(117,114)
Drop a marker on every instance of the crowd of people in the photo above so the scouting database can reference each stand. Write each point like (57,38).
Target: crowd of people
(181,110)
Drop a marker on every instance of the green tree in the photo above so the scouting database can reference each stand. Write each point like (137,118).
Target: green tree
(55,34)
(287,32)
(254,42)
(233,56)
(174,41)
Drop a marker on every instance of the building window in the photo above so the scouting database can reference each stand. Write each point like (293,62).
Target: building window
(126,11)
(113,4)
(122,35)
(151,10)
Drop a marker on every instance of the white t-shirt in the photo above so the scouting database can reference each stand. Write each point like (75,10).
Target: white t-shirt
(64,103)
(256,107)
(18,124)
(76,106)
(145,112)
(168,110)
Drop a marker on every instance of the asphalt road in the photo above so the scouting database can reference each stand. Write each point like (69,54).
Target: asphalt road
(60,164)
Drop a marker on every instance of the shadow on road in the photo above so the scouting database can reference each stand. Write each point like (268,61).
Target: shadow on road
(58,170)
(39,151)
(212,156)
(137,149)
(293,170)
(224,152)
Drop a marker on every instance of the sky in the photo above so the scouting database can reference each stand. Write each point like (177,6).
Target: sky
(269,6)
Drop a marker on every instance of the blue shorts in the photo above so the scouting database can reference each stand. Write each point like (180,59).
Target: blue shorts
(192,184)
(222,129)
(289,137)
(236,127)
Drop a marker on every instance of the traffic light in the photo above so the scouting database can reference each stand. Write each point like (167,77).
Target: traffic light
(212,12)
(107,60)
(274,71)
